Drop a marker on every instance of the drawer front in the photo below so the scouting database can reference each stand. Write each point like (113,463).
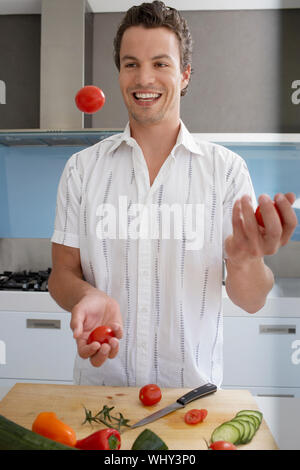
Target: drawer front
(36,346)
(261,352)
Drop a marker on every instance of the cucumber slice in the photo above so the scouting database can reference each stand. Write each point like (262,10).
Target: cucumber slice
(247,429)
(254,413)
(226,432)
(252,432)
(255,419)
(240,426)
(249,418)
(250,426)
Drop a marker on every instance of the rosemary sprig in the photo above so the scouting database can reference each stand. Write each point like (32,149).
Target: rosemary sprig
(104,416)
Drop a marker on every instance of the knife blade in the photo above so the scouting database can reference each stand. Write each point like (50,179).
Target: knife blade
(180,403)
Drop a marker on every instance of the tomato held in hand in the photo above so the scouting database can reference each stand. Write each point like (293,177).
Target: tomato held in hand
(90,99)
(259,218)
(150,394)
(102,334)
(195,416)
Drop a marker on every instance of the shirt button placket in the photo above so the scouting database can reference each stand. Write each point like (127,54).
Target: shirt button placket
(143,312)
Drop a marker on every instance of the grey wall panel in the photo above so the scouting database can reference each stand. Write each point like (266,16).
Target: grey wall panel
(20,70)
(244,64)
(105,74)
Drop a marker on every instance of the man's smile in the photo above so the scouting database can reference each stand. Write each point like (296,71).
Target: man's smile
(146,98)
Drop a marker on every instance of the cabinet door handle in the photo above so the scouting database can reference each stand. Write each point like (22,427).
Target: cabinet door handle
(42,323)
(275,395)
(277,329)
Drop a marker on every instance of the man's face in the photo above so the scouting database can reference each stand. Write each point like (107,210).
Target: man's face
(150,74)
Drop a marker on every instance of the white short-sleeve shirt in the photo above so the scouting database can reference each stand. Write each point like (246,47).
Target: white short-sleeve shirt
(157,250)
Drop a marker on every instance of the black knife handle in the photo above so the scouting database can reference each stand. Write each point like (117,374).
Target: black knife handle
(197,393)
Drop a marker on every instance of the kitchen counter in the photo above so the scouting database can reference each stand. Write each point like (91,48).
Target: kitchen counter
(285,296)
(25,400)
(283,301)
(282,415)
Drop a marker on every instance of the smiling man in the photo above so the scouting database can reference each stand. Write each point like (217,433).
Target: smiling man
(162,298)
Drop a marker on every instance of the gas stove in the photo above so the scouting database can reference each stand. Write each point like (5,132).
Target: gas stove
(25,281)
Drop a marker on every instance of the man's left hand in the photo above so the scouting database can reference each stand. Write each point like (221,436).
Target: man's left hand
(249,241)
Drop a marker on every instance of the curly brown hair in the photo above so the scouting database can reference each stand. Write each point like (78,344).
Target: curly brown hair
(155,15)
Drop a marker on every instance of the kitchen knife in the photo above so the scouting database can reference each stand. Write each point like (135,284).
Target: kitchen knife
(180,403)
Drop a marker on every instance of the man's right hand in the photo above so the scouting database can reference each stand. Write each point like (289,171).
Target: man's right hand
(93,310)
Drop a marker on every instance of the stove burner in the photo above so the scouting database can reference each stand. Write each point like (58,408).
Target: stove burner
(25,280)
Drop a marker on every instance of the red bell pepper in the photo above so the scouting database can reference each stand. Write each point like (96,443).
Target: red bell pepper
(105,439)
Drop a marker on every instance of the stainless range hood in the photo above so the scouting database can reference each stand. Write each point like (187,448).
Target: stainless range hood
(66,50)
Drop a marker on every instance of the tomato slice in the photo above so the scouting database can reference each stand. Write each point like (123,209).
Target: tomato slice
(195,416)
(102,334)
(150,394)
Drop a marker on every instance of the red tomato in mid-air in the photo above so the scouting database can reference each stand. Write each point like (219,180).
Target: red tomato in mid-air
(102,334)
(195,416)
(259,216)
(90,99)
(150,394)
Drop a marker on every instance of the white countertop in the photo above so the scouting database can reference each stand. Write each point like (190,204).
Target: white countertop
(283,300)
(282,415)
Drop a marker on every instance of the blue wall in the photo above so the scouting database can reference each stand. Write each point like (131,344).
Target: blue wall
(273,168)
(29,178)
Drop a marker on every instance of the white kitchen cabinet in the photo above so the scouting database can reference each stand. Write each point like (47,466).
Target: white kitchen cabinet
(36,346)
(262,350)
(258,352)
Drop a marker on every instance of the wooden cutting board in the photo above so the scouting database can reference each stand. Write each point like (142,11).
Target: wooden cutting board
(25,400)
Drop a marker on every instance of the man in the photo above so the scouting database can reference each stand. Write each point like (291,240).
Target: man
(162,296)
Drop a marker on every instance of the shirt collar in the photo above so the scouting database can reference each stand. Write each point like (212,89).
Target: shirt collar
(184,139)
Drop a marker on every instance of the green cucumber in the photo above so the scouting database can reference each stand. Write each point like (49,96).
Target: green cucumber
(148,440)
(245,422)
(255,413)
(248,418)
(16,437)
(226,432)
(240,428)
(252,428)
(247,430)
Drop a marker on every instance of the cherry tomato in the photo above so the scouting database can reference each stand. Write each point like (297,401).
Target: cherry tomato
(105,439)
(89,99)
(195,416)
(222,445)
(259,216)
(48,425)
(150,394)
(102,334)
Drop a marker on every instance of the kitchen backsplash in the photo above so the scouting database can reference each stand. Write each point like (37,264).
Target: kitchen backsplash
(19,254)
(34,254)
(31,165)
